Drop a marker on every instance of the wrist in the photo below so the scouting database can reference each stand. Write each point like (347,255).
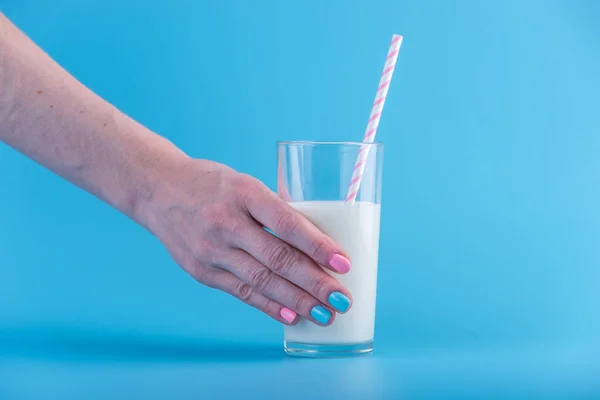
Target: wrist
(150,178)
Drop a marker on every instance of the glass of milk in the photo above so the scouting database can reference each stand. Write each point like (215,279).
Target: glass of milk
(314,178)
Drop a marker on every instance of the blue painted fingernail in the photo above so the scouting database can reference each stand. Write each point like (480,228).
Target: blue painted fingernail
(320,314)
(271,232)
(339,301)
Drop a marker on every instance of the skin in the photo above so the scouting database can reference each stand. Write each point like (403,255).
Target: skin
(208,216)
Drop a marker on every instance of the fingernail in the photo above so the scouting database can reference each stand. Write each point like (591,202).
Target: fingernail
(339,301)
(339,263)
(320,314)
(288,314)
(271,232)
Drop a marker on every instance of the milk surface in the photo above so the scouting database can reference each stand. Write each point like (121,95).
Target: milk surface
(356,229)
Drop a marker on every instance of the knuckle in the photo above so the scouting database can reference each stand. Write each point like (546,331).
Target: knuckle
(214,216)
(282,258)
(301,304)
(203,274)
(245,182)
(237,229)
(322,285)
(243,291)
(319,248)
(271,307)
(287,224)
(245,187)
(205,251)
(261,279)
(218,220)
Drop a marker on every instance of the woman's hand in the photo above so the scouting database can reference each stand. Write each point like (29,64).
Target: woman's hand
(211,220)
(209,217)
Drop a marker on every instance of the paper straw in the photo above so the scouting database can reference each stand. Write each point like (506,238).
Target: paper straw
(373,123)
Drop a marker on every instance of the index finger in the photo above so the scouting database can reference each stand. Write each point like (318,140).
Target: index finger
(292,227)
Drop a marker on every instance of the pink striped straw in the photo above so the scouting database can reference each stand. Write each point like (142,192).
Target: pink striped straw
(373,123)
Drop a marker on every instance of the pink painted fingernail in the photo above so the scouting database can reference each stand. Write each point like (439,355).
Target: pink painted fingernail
(288,314)
(340,263)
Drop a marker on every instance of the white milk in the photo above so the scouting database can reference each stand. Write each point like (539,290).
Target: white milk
(356,229)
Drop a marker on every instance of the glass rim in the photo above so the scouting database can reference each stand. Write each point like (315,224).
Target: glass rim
(326,143)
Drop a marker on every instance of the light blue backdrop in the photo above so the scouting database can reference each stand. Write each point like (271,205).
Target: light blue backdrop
(491,208)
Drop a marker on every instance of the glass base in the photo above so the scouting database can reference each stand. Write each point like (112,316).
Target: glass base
(296,349)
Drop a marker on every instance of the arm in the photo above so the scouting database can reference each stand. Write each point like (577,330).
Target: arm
(49,116)
(209,217)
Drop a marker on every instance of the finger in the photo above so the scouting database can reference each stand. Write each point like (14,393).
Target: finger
(289,225)
(227,282)
(282,191)
(294,266)
(273,286)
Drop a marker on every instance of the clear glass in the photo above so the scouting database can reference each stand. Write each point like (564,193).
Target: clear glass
(314,178)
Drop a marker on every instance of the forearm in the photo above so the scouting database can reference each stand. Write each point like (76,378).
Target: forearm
(49,116)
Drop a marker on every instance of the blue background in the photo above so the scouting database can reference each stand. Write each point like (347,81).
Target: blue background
(490,264)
